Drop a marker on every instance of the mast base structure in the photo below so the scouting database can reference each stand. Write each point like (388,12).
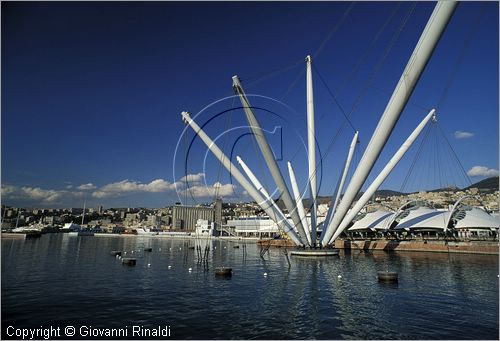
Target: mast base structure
(315,253)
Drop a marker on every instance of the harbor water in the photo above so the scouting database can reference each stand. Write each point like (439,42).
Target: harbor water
(60,280)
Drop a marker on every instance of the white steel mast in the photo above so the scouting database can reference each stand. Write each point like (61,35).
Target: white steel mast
(336,196)
(298,199)
(83,214)
(311,150)
(269,158)
(259,187)
(383,175)
(259,199)
(430,36)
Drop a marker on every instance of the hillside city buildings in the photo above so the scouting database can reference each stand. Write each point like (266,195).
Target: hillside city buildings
(224,215)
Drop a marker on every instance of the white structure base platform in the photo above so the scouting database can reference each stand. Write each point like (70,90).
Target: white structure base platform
(315,253)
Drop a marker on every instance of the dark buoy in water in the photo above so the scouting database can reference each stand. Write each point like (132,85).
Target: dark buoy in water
(148,249)
(387,276)
(129,261)
(223,272)
(116,253)
(236,246)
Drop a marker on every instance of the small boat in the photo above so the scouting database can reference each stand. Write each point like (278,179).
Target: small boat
(70,227)
(146,231)
(28,231)
(77,230)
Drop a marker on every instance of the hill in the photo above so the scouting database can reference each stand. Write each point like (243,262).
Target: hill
(489,184)
(486,185)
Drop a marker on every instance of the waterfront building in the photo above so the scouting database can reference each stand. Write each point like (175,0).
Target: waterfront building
(261,226)
(153,220)
(253,227)
(76,210)
(50,220)
(185,217)
(473,221)
(415,218)
(204,228)
(218,213)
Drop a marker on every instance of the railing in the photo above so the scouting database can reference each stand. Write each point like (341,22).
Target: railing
(424,238)
(227,230)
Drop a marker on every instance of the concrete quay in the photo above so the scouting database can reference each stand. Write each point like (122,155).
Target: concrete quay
(474,247)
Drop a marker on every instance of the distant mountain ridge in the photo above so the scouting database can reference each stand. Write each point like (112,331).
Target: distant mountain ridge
(486,185)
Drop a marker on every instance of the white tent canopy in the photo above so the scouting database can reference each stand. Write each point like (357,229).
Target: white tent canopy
(424,218)
(372,221)
(475,218)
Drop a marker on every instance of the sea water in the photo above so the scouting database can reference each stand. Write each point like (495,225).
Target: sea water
(60,281)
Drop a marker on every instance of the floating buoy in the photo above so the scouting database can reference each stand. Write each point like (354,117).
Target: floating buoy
(170,249)
(224,247)
(149,265)
(124,252)
(129,261)
(148,249)
(169,266)
(223,271)
(180,248)
(265,274)
(387,276)
(159,249)
(339,276)
(215,247)
(116,253)
(132,251)
(190,269)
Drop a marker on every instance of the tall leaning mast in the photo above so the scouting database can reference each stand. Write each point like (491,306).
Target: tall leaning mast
(311,151)
(268,155)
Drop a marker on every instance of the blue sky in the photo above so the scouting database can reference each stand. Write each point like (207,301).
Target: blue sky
(92,94)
